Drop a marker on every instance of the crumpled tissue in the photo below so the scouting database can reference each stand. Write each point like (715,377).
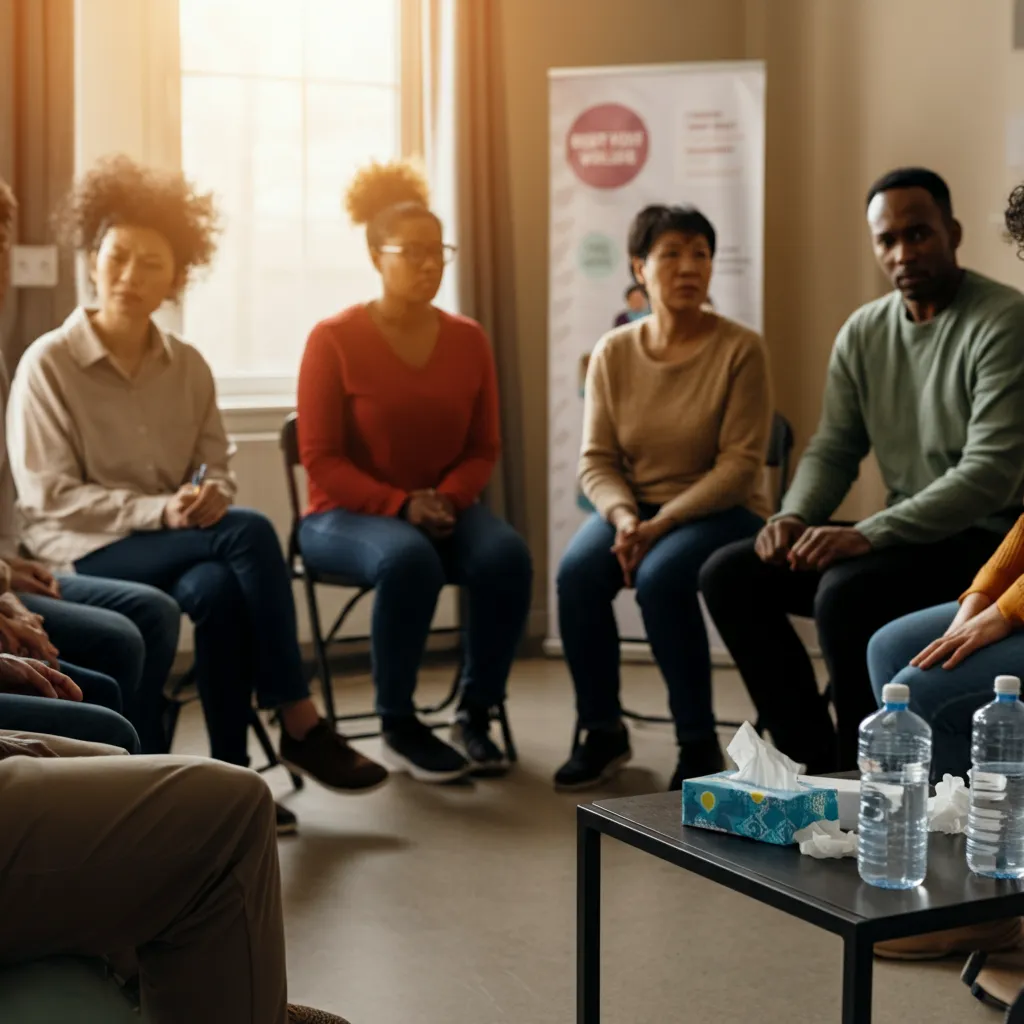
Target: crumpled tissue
(764,799)
(947,810)
(825,839)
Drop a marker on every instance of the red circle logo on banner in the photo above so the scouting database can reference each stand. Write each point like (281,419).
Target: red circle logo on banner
(607,146)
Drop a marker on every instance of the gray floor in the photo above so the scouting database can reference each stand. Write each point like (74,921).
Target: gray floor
(456,905)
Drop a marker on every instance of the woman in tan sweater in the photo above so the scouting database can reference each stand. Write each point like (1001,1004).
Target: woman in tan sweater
(677,413)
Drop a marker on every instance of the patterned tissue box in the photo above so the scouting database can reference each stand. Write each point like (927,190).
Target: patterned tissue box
(719,803)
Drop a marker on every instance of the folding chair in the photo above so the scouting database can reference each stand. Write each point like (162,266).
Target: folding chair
(323,641)
(780,451)
(184,692)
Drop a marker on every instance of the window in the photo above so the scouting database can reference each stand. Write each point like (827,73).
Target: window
(280,103)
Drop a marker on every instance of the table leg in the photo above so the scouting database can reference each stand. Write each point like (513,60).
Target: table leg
(858,963)
(588,925)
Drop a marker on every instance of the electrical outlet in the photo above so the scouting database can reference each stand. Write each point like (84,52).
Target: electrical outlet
(34,266)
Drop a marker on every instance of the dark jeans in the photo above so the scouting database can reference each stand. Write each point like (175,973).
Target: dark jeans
(232,583)
(93,719)
(750,601)
(590,577)
(407,571)
(127,631)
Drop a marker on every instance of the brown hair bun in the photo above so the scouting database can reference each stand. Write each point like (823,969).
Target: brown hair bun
(380,187)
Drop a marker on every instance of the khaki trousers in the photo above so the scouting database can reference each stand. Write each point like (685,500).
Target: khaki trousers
(175,857)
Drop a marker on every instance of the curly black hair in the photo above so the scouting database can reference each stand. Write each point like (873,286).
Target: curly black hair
(8,207)
(119,191)
(1014,219)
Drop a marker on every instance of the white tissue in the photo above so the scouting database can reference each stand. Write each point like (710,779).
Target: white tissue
(759,764)
(825,839)
(947,810)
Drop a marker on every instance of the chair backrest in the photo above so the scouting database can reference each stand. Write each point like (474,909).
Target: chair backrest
(290,451)
(780,452)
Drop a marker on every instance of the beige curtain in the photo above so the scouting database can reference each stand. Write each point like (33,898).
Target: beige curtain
(461,104)
(36,150)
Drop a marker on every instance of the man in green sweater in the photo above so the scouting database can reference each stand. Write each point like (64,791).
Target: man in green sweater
(930,377)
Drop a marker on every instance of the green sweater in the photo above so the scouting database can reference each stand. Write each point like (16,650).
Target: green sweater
(941,404)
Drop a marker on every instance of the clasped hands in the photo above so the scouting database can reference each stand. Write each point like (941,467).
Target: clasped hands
(791,542)
(634,539)
(190,506)
(431,512)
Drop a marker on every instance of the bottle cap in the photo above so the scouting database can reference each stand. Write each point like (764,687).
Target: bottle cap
(896,693)
(1008,685)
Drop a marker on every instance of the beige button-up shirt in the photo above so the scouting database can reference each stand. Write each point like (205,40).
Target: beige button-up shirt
(96,454)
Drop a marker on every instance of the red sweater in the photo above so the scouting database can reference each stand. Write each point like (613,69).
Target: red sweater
(372,428)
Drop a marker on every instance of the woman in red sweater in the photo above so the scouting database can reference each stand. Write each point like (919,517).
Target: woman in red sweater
(399,434)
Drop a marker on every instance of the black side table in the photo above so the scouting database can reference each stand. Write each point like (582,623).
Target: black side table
(826,893)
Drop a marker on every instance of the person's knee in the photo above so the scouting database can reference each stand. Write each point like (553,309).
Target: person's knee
(119,732)
(211,592)
(414,566)
(839,602)
(882,657)
(505,561)
(253,529)
(729,573)
(161,616)
(658,582)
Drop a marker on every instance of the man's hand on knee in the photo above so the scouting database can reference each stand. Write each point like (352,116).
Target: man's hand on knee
(776,540)
(823,546)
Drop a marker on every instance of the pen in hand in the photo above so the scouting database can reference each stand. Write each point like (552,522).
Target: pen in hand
(198,477)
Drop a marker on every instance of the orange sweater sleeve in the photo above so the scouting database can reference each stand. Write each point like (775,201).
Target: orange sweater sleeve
(1000,577)
(321,401)
(465,481)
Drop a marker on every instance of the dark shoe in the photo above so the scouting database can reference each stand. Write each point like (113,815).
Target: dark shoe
(307,1015)
(326,756)
(287,823)
(996,979)
(990,937)
(412,747)
(471,736)
(596,760)
(697,758)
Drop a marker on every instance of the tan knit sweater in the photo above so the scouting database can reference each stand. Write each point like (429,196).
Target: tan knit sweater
(689,436)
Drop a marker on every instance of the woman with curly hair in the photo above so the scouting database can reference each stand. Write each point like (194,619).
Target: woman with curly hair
(121,463)
(399,434)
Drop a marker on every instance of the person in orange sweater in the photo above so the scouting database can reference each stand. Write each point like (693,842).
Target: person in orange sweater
(399,434)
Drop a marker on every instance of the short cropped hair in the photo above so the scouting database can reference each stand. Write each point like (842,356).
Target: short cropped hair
(119,191)
(654,221)
(8,208)
(915,177)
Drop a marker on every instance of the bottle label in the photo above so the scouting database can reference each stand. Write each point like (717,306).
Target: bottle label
(993,784)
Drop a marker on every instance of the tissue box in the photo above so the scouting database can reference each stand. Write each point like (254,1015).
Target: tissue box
(722,804)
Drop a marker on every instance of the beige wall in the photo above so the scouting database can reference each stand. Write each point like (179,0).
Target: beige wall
(854,89)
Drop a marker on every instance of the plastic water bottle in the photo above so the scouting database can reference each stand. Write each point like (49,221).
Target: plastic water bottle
(895,756)
(995,825)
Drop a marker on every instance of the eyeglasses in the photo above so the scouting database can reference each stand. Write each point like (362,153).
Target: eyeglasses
(419,254)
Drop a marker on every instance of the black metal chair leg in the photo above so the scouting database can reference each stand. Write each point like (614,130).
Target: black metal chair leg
(506,734)
(320,651)
(256,723)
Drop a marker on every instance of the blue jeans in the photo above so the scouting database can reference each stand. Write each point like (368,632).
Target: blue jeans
(124,630)
(232,582)
(589,578)
(90,720)
(945,698)
(407,571)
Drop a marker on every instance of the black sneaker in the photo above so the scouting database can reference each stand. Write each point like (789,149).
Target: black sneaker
(697,758)
(597,759)
(324,755)
(287,823)
(470,735)
(412,747)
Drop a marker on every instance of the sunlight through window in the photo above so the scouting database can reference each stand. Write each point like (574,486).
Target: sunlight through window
(280,104)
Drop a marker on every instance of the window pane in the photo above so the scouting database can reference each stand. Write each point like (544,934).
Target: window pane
(353,40)
(241,37)
(278,154)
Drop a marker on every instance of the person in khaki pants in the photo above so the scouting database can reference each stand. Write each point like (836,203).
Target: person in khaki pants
(172,857)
